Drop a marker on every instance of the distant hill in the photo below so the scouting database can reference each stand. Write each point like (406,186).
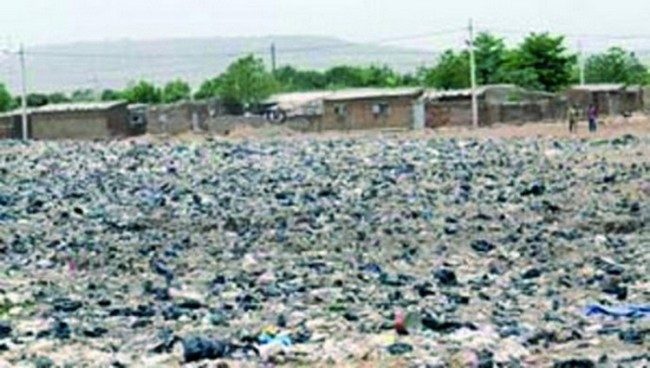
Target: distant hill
(113,64)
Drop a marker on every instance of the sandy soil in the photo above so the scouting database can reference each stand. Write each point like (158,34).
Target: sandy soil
(609,128)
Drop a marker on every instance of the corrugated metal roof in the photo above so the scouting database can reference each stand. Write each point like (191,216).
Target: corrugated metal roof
(299,103)
(311,103)
(15,112)
(291,101)
(65,107)
(435,94)
(365,93)
(605,87)
(602,87)
(467,92)
(71,107)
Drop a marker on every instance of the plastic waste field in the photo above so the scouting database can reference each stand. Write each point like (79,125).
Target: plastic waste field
(325,252)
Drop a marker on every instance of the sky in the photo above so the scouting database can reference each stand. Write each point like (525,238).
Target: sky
(39,22)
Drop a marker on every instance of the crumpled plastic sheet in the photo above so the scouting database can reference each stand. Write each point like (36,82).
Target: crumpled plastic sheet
(631,311)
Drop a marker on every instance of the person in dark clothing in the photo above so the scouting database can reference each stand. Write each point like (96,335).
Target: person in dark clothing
(592,114)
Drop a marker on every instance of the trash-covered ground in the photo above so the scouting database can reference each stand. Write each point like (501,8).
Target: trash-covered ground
(390,251)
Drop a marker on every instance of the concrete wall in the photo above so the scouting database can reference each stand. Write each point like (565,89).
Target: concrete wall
(454,113)
(615,102)
(69,126)
(458,113)
(530,112)
(359,114)
(119,124)
(633,101)
(180,118)
(177,119)
(305,124)
(11,126)
(7,127)
(95,124)
(225,124)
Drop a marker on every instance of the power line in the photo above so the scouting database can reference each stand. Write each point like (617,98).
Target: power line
(139,55)
(216,55)
(257,51)
(323,47)
(186,70)
(376,42)
(260,51)
(161,64)
(573,35)
(423,35)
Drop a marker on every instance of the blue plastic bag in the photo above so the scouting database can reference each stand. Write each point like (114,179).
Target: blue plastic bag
(632,311)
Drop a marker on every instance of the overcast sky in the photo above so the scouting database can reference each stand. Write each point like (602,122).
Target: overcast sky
(61,21)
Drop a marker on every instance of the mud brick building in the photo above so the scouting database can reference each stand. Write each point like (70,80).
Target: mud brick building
(351,109)
(507,104)
(611,99)
(94,120)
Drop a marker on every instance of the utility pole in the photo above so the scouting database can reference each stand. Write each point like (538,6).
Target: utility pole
(472,63)
(23,74)
(273,58)
(581,63)
(97,88)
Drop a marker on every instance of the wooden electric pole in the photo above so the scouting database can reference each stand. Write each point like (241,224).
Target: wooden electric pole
(273,58)
(472,63)
(23,73)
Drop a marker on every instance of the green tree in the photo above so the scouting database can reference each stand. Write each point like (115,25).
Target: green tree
(380,76)
(6,101)
(541,62)
(57,98)
(341,76)
(34,100)
(111,95)
(209,89)
(513,72)
(615,66)
(175,91)
(490,54)
(246,83)
(292,79)
(83,95)
(451,71)
(143,92)
(344,76)
(412,80)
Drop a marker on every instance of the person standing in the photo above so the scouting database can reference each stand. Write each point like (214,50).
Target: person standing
(592,114)
(572,116)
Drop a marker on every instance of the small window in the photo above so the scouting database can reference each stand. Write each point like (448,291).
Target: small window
(340,110)
(381,109)
(137,120)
